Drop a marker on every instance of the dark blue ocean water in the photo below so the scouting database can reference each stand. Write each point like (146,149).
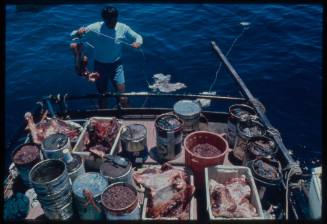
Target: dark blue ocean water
(279,57)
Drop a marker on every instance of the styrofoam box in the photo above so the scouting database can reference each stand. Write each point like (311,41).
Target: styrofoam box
(192,214)
(78,148)
(222,173)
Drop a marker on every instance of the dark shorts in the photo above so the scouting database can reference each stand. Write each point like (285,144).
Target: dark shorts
(113,71)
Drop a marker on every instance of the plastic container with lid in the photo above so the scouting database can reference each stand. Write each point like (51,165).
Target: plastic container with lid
(86,188)
(189,111)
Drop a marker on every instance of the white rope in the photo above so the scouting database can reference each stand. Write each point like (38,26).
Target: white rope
(228,52)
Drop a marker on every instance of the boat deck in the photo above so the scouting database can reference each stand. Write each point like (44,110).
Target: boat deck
(217,127)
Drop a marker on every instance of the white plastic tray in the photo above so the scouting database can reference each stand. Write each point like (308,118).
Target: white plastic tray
(222,173)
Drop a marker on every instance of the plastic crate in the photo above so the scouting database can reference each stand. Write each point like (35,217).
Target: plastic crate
(222,173)
(90,161)
(193,207)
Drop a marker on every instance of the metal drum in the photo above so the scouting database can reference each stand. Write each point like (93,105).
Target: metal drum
(50,181)
(74,164)
(133,141)
(117,169)
(25,157)
(120,201)
(87,188)
(245,131)
(189,111)
(238,113)
(54,144)
(268,178)
(169,130)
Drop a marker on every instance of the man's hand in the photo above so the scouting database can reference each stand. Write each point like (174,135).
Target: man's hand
(81,31)
(92,77)
(136,45)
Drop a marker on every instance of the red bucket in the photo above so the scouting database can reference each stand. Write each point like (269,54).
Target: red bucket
(197,162)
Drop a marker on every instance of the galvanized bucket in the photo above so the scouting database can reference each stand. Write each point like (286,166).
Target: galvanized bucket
(95,184)
(25,156)
(54,144)
(245,131)
(169,130)
(189,111)
(134,142)
(130,212)
(50,181)
(114,172)
(238,113)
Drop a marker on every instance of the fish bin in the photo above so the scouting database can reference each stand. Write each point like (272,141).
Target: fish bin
(163,205)
(231,193)
(100,137)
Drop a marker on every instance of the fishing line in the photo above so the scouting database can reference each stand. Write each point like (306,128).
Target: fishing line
(245,27)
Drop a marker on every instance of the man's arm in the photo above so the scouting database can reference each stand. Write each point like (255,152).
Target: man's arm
(138,40)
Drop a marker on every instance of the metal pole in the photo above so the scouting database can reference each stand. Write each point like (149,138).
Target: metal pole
(247,94)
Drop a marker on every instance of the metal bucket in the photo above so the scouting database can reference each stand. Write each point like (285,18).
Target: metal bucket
(169,130)
(134,143)
(245,131)
(259,147)
(114,172)
(268,177)
(94,183)
(189,111)
(25,156)
(238,113)
(131,211)
(54,144)
(50,181)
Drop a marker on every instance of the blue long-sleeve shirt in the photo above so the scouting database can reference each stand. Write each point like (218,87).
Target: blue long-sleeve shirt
(108,50)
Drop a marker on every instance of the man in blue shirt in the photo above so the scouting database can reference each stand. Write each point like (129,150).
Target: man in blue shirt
(106,38)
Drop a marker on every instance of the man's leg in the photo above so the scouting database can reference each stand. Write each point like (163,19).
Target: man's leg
(101,83)
(119,83)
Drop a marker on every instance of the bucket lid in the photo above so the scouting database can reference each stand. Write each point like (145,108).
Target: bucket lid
(187,108)
(134,132)
(55,141)
(116,166)
(26,154)
(94,182)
